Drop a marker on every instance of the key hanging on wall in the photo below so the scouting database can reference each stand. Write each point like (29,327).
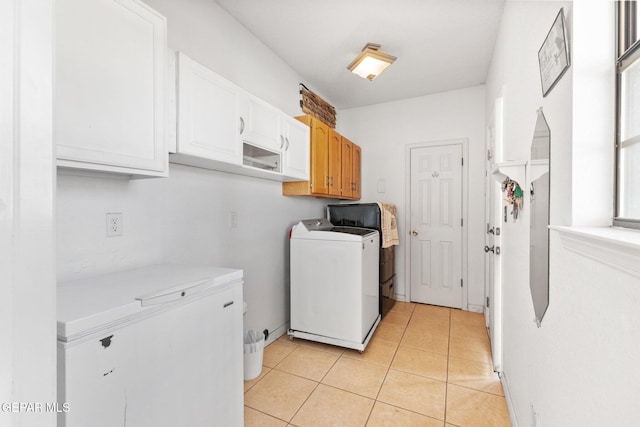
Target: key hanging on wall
(513,196)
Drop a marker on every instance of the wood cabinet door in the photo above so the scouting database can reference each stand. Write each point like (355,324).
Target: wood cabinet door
(347,166)
(319,157)
(355,171)
(335,165)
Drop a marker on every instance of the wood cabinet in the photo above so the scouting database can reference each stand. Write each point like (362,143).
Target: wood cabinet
(347,168)
(350,169)
(109,87)
(356,172)
(334,172)
(335,165)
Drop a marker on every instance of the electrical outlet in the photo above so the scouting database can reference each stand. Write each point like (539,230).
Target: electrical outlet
(114,224)
(233,219)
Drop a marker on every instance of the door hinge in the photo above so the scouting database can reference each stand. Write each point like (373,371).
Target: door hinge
(487,302)
(461,222)
(460,282)
(462,161)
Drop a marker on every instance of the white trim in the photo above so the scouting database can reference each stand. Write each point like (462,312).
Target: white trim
(475,308)
(27,213)
(615,247)
(509,400)
(277,333)
(464,142)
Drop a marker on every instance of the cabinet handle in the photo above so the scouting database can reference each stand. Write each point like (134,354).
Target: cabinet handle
(331,181)
(241,125)
(281,142)
(287,147)
(227,304)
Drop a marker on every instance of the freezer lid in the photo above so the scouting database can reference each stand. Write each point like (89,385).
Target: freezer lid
(88,304)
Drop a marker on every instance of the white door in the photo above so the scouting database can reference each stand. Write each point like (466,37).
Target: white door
(493,211)
(493,291)
(436,225)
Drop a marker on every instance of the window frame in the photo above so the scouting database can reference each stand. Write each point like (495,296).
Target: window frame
(627,54)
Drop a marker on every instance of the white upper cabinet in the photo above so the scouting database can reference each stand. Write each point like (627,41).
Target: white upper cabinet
(259,123)
(109,108)
(208,115)
(295,154)
(222,127)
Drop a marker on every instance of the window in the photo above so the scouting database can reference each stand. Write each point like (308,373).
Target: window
(627,208)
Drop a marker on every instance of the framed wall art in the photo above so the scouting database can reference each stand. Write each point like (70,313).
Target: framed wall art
(553,56)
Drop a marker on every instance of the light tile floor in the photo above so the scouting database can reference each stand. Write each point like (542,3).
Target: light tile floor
(424,366)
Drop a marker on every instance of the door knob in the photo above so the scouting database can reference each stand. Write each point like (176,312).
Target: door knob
(414,232)
(495,250)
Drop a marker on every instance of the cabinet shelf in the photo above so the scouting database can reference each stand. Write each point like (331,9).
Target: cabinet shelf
(514,169)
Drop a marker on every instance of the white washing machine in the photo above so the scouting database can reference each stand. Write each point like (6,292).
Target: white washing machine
(334,283)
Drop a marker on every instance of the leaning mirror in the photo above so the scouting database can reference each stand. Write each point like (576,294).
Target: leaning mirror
(539,217)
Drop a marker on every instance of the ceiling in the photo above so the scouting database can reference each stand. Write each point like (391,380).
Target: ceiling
(441,45)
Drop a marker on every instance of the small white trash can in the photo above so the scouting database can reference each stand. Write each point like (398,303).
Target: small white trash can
(253,350)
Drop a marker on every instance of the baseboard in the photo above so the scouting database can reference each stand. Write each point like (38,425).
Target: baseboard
(475,308)
(277,333)
(507,396)
(401,298)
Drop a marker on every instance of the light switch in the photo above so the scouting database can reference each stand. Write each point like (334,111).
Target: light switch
(381,185)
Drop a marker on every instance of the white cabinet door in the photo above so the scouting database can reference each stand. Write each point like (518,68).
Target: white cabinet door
(109,86)
(296,156)
(208,119)
(259,123)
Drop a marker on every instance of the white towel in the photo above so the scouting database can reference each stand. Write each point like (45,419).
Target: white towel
(389,226)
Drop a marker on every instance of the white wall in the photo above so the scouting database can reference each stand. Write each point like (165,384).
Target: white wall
(384,131)
(186,217)
(580,367)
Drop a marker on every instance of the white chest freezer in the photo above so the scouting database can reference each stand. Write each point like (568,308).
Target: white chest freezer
(334,283)
(156,346)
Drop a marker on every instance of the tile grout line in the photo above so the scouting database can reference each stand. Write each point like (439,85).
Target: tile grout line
(446,386)
(375,400)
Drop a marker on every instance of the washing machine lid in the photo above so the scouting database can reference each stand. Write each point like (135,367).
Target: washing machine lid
(356,231)
(88,305)
(322,229)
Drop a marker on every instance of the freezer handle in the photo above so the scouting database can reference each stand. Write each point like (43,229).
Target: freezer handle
(174,293)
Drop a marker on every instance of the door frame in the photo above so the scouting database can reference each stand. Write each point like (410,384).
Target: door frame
(493,199)
(464,142)
(27,216)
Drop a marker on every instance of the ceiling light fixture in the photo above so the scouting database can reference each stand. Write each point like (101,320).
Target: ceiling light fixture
(371,62)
